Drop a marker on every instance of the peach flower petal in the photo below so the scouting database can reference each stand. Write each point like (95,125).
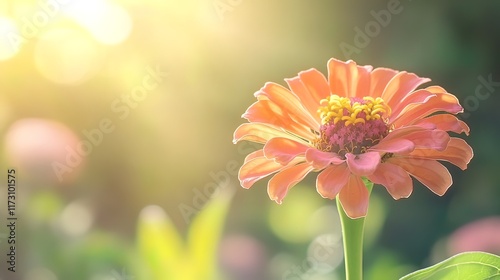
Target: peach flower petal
(347,79)
(410,101)
(379,79)
(316,83)
(363,164)
(443,101)
(265,111)
(394,178)
(400,86)
(320,160)
(446,122)
(430,139)
(354,198)
(331,180)
(309,102)
(284,150)
(279,184)
(254,154)
(403,132)
(429,172)
(288,102)
(421,137)
(257,132)
(396,145)
(310,87)
(256,169)
(458,153)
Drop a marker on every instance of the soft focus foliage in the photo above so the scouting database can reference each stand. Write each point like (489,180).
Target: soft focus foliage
(163,252)
(470,265)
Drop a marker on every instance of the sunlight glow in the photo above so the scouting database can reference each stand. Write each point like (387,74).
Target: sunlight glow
(109,23)
(66,56)
(8,31)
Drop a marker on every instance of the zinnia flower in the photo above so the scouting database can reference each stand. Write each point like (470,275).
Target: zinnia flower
(360,123)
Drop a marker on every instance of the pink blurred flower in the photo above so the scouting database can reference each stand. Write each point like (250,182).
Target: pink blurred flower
(480,235)
(35,145)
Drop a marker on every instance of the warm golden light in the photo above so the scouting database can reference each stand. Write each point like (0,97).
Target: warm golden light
(8,31)
(109,23)
(66,56)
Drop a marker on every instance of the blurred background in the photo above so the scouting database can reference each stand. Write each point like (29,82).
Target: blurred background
(118,118)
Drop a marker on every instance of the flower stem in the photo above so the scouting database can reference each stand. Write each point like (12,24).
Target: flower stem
(352,233)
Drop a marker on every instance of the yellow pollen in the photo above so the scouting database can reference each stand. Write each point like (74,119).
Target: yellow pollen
(336,108)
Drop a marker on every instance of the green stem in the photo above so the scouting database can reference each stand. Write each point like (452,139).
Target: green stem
(352,232)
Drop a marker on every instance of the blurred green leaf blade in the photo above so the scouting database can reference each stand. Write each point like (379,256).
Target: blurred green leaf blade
(159,242)
(205,232)
(464,266)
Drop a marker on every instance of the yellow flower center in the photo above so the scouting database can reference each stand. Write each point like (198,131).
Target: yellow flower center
(338,108)
(351,125)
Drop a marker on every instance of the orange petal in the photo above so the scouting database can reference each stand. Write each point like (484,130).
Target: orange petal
(458,153)
(405,139)
(400,86)
(347,79)
(265,111)
(331,180)
(354,197)
(254,154)
(284,150)
(257,132)
(319,159)
(429,172)
(416,97)
(310,87)
(421,137)
(394,178)
(401,133)
(446,122)
(279,185)
(395,145)
(363,164)
(443,101)
(308,101)
(258,168)
(379,78)
(429,139)
(288,102)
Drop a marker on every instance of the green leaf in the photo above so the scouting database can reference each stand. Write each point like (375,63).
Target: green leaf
(159,242)
(464,266)
(204,234)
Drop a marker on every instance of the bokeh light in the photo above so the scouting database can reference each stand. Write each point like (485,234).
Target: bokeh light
(287,220)
(75,219)
(108,22)
(9,32)
(41,273)
(67,56)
